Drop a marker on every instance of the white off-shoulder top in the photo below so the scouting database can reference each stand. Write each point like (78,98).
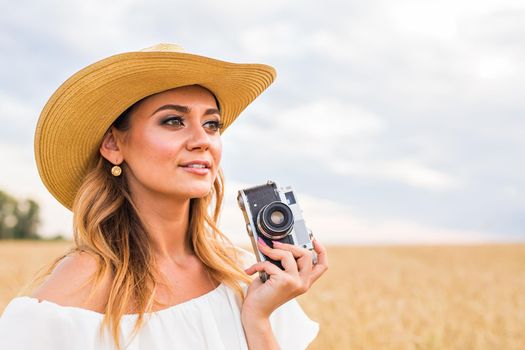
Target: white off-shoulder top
(210,321)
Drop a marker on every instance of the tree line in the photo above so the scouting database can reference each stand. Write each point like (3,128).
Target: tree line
(19,218)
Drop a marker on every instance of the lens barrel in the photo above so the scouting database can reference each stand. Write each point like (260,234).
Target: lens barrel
(275,220)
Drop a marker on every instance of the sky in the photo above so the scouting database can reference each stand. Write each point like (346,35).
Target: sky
(394,121)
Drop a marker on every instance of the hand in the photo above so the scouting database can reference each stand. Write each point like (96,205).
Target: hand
(281,286)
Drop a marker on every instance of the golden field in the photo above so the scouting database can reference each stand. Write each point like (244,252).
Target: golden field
(382,297)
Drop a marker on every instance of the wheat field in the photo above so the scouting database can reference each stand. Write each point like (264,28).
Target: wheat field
(381,297)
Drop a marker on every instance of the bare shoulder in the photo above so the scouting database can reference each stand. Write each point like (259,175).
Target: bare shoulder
(71,281)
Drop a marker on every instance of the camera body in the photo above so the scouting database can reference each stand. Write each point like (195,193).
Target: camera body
(272,214)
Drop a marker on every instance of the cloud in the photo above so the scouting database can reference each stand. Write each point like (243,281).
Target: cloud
(409,110)
(407,171)
(336,223)
(316,128)
(334,135)
(18,118)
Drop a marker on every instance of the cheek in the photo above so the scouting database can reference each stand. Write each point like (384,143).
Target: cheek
(216,152)
(152,149)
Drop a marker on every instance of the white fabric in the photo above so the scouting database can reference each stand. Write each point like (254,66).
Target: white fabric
(211,321)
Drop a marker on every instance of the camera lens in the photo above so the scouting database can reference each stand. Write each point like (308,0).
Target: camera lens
(277,217)
(275,220)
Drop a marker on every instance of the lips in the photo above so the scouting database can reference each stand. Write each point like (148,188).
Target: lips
(196,164)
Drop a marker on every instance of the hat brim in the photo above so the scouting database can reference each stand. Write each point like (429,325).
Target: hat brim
(76,117)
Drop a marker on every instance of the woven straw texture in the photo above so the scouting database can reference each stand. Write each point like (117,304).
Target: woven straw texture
(76,117)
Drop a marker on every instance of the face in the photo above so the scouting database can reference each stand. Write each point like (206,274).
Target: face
(173,146)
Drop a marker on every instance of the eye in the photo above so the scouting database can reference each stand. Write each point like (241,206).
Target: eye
(214,125)
(173,121)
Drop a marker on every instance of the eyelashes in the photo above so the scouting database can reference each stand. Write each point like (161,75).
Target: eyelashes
(173,121)
(177,121)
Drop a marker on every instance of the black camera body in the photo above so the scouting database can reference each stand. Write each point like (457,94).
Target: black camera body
(272,214)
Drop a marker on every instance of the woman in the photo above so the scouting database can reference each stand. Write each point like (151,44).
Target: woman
(132,144)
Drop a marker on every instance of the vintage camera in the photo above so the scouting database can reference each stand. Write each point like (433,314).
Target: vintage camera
(272,213)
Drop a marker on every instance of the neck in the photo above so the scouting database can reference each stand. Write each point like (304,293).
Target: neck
(167,221)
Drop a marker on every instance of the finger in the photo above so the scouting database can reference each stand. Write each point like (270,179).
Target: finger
(303,256)
(322,261)
(265,266)
(285,257)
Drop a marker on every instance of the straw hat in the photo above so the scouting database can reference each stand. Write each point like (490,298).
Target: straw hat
(74,120)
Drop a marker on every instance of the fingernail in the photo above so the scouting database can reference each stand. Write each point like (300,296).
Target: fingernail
(277,243)
(262,241)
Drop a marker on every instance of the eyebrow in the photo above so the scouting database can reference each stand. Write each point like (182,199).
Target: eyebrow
(185,109)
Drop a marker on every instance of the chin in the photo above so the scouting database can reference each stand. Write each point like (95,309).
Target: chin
(199,192)
(199,195)
(187,189)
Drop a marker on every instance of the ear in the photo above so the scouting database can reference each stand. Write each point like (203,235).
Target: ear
(110,148)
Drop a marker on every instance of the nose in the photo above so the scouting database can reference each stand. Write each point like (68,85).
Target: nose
(198,139)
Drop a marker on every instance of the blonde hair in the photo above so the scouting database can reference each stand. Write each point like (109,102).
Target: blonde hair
(106,225)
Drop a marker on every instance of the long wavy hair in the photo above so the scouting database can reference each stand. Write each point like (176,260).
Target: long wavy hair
(107,225)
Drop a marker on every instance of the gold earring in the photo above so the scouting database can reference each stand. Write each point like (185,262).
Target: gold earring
(116,170)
